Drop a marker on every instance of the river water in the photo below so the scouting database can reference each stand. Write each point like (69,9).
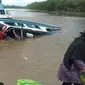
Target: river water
(38,58)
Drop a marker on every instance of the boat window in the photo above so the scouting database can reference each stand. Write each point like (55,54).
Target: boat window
(20,24)
(30,26)
(49,29)
(10,23)
(54,29)
(37,26)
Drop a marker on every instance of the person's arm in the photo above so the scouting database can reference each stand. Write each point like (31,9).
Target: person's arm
(78,56)
(80,64)
(16,34)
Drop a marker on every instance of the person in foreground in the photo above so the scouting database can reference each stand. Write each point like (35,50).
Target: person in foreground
(73,62)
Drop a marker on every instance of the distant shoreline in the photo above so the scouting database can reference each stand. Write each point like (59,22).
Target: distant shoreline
(57,13)
(61,13)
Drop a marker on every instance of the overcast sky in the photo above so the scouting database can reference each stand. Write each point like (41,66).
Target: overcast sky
(19,2)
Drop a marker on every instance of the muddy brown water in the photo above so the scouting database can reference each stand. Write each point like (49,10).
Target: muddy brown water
(38,58)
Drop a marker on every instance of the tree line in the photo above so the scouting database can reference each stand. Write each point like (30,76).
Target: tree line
(59,5)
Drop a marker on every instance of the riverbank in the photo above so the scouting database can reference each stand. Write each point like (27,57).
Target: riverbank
(57,13)
(62,13)
(76,14)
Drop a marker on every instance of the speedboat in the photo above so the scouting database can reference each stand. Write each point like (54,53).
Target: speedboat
(31,27)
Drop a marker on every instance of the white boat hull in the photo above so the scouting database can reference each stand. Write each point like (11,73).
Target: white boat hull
(29,35)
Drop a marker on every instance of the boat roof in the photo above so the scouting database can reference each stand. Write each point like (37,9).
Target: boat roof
(27,22)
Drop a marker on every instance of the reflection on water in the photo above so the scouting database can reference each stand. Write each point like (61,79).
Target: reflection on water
(38,58)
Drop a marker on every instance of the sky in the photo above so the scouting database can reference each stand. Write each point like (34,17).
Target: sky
(19,2)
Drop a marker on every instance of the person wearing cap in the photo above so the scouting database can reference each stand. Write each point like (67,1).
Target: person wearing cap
(73,63)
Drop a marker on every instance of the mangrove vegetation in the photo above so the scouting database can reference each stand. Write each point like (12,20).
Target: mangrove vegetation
(59,5)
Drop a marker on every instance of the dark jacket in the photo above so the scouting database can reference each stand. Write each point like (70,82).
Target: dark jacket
(76,51)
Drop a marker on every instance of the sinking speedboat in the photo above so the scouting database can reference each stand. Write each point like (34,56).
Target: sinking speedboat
(31,27)
(27,26)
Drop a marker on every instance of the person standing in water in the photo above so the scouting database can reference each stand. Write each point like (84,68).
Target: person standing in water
(16,35)
(73,62)
(2,35)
